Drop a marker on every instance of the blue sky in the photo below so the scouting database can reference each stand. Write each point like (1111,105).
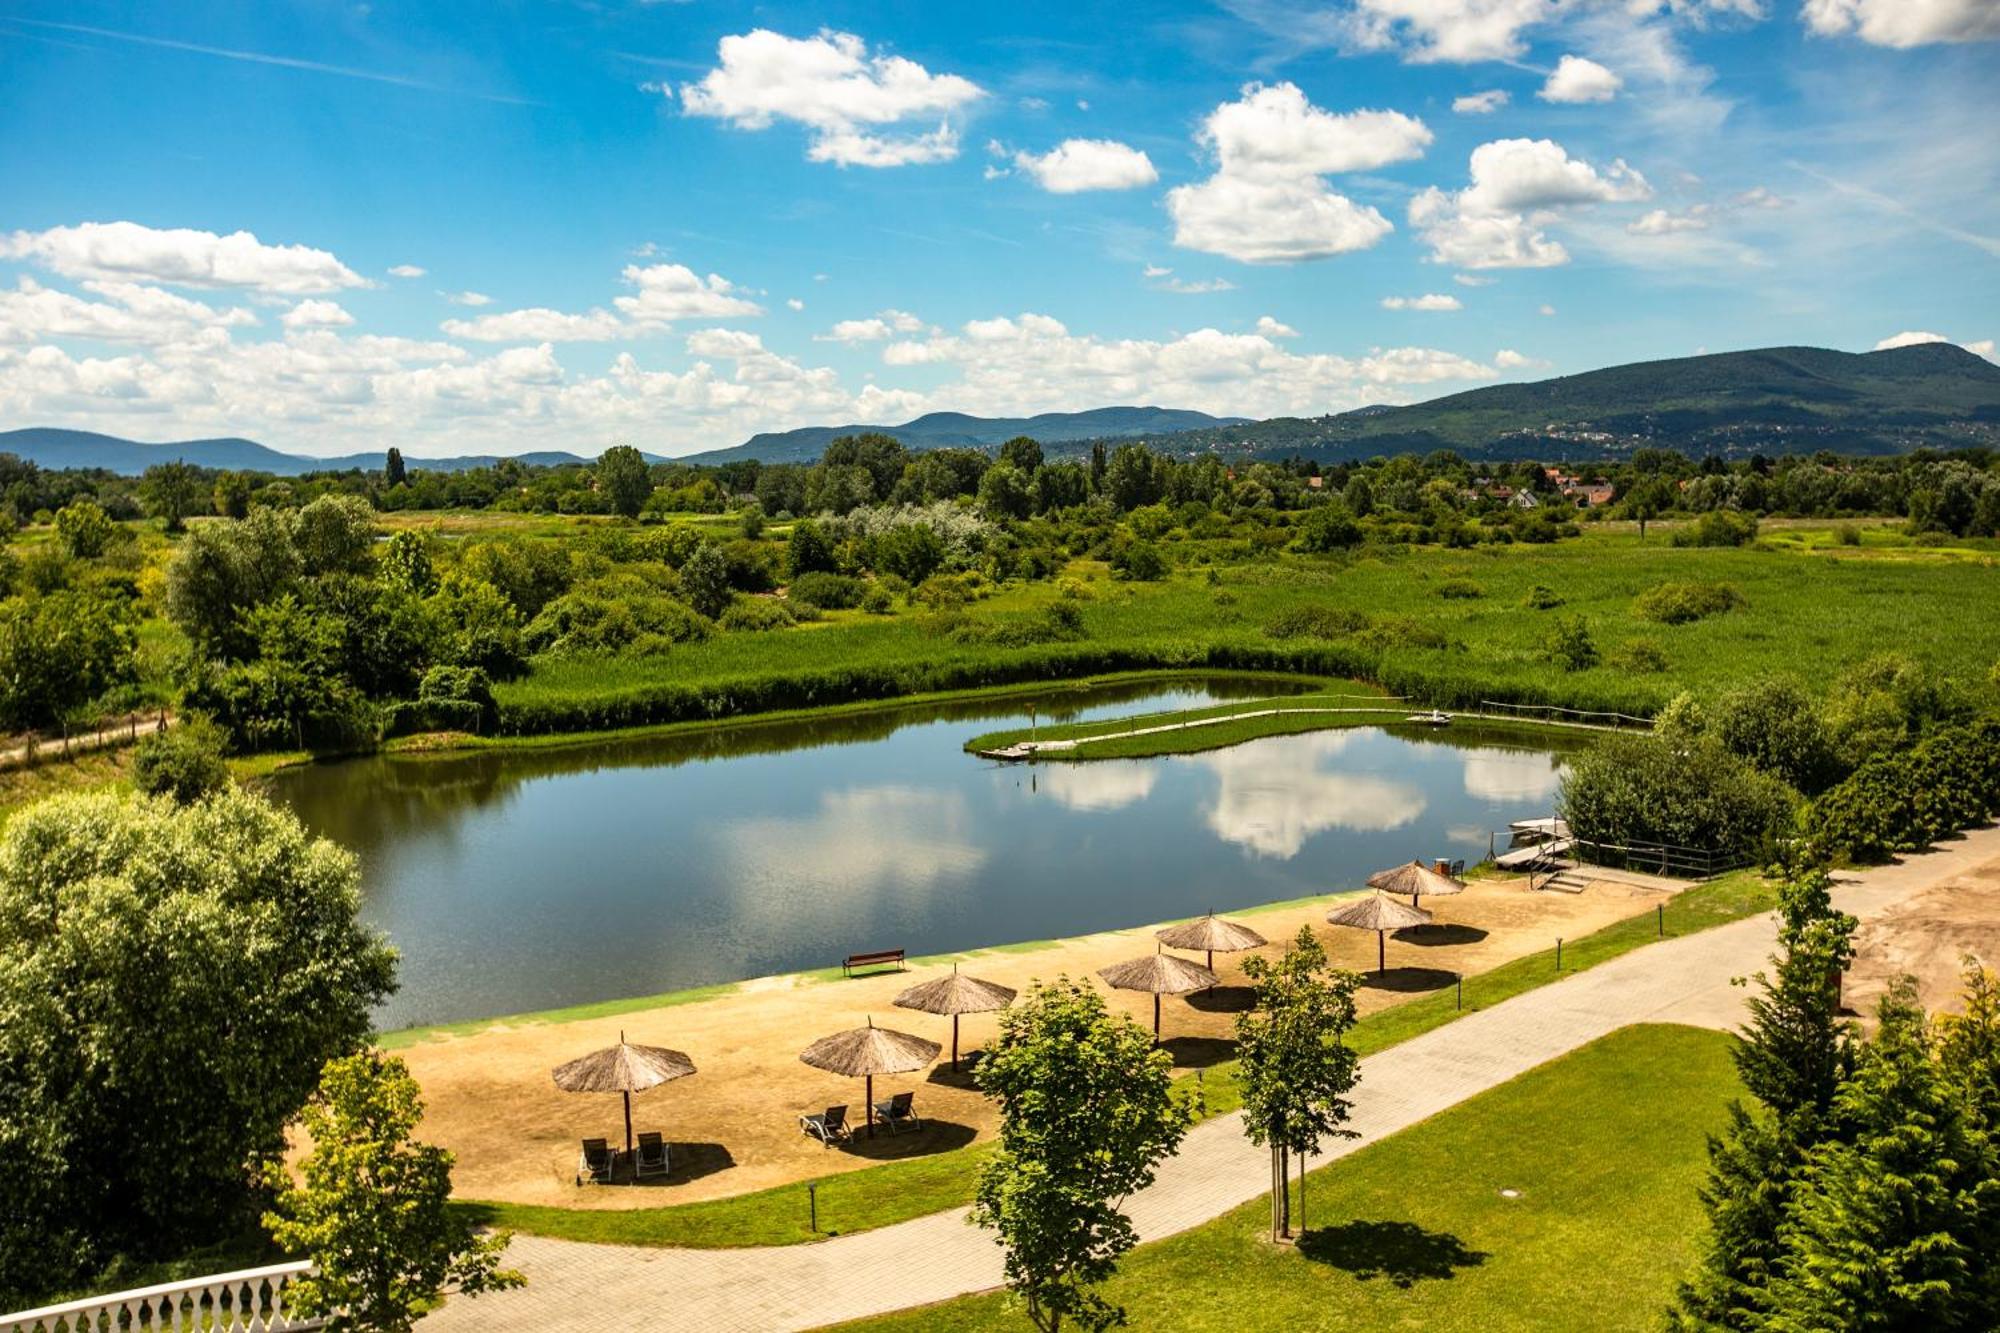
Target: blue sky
(507,227)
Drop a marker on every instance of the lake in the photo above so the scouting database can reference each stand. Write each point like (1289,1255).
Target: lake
(520,880)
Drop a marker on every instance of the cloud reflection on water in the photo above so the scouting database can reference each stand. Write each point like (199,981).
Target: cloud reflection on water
(1108,784)
(1496,774)
(1274,794)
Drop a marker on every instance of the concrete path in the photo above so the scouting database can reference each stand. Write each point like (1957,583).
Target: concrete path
(1687,980)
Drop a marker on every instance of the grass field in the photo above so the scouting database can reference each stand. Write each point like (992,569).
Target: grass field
(1604,1147)
(1806,600)
(895,1192)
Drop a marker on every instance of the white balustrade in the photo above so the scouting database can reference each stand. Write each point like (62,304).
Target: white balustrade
(249,1301)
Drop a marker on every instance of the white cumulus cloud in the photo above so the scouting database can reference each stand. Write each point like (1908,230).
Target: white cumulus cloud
(1268,201)
(1076,165)
(1518,186)
(669,292)
(130,312)
(1578,80)
(181,257)
(316,314)
(1916,337)
(1904,23)
(855,104)
(1430,301)
(1480,104)
(1272,328)
(539,324)
(407,271)
(882,325)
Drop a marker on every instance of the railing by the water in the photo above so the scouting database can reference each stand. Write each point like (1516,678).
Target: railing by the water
(251,1300)
(1659,858)
(1572,716)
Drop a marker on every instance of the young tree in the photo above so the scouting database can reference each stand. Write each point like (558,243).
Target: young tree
(1295,1065)
(394,473)
(372,1211)
(172,491)
(807,550)
(1087,1113)
(1895,1221)
(83,530)
(59,651)
(231,497)
(624,479)
(173,978)
(335,534)
(705,581)
(1793,1057)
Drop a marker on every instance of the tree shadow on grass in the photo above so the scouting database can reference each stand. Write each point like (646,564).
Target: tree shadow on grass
(1402,1252)
(1198,1052)
(1437,935)
(1409,980)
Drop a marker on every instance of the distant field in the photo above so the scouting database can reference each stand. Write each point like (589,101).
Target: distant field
(1811,607)
(1606,1148)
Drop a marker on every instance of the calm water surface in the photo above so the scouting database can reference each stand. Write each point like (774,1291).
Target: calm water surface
(533,879)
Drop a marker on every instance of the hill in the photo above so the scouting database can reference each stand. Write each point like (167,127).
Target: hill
(49,447)
(944,430)
(1771,400)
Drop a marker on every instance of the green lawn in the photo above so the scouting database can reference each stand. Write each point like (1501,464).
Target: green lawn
(1604,1146)
(897,1191)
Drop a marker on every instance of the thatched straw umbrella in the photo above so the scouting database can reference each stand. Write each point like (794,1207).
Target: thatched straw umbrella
(1415,878)
(623,1068)
(956,995)
(1160,974)
(1212,935)
(865,1052)
(1380,915)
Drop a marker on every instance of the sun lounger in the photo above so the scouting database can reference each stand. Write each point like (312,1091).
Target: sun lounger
(827,1126)
(652,1158)
(594,1163)
(897,1112)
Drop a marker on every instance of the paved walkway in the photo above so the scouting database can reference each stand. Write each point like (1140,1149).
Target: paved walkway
(1686,980)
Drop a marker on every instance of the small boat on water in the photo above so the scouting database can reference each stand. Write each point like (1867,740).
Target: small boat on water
(1435,718)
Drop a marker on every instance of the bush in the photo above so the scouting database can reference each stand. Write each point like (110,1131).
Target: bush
(1330,527)
(1683,603)
(757,613)
(604,620)
(1775,725)
(877,601)
(829,592)
(1720,527)
(1407,632)
(1317,622)
(1905,801)
(1628,790)
(1570,645)
(448,698)
(1139,561)
(1640,655)
(184,762)
(1460,590)
(1542,598)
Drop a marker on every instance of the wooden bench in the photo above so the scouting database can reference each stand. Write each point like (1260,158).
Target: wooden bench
(880,958)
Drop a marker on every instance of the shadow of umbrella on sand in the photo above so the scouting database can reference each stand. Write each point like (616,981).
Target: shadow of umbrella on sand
(955,995)
(1211,935)
(1380,915)
(1415,878)
(623,1068)
(865,1052)
(1159,974)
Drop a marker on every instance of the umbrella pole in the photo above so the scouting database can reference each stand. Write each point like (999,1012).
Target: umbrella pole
(1381,952)
(954,1043)
(628,1124)
(1156,1018)
(870,1094)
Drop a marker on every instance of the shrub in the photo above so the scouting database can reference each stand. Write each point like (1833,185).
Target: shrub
(941,592)
(1628,790)
(1570,645)
(1330,527)
(757,613)
(594,620)
(1641,655)
(1888,702)
(1317,622)
(1683,603)
(705,581)
(1542,598)
(1904,801)
(1076,590)
(829,592)
(83,530)
(184,762)
(1847,535)
(877,601)
(1720,527)
(1460,590)
(1139,561)
(1774,725)
(911,551)
(1407,632)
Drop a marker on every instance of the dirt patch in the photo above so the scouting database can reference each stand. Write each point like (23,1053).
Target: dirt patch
(515,1135)
(1928,936)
